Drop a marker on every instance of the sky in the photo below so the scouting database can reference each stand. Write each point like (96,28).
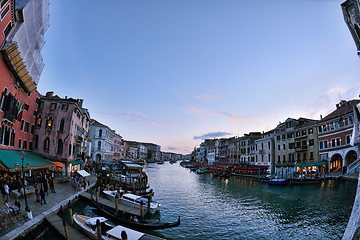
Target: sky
(175,72)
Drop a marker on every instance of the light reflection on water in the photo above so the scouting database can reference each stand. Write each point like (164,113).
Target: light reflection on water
(236,208)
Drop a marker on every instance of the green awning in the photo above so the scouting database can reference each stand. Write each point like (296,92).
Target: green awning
(318,164)
(77,162)
(10,157)
(283,165)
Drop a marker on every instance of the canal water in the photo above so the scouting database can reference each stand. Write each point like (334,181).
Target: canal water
(236,208)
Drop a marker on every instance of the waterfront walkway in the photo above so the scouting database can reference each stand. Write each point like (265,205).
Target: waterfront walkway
(18,224)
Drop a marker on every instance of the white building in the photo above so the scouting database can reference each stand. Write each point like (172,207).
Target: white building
(102,138)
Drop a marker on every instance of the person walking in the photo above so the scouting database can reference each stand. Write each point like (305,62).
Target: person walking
(42,195)
(7,191)
(46,187)
(51,184)
(37,195)
(3,192)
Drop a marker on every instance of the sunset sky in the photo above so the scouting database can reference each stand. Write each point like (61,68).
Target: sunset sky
(176,72)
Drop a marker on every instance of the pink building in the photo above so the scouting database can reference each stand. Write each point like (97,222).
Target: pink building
(60,131)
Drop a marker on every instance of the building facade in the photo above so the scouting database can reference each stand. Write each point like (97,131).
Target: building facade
(351,11)
(102,139)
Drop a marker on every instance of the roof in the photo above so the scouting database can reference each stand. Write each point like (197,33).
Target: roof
(343,108)
(10,157)
(132,165)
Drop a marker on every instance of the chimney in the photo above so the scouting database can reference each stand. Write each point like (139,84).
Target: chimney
(320,117)
(80,102)
(49,94)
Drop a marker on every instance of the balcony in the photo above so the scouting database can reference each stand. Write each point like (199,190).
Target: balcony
(301,149)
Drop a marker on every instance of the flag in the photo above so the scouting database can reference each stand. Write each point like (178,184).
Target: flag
(19,113)
(355,133)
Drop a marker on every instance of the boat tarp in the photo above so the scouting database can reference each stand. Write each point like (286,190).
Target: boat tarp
(11,157)
(131,234)
(77,162)
(83,173)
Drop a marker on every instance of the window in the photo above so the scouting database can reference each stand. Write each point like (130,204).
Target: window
(64,107)
(20,142)
(338,141)
(3,3)
(1,133)
(36,145)
(310,131)
(12,138)
(298,157)
(348,138)
(325,144)
(333,142)
(53,106)
(284,147)
(324,128)
(46,144)
(278,147)
(7,30)
(320,129)
(59,149)
(304,156)
(61,125)
(303,132)
(99,145)
(49,122)
(351,120)
(311,142)
(32,128)
(297,134)
(283,137)
(30,146)
(311,155)
(22,125)
(70,149)
(27,125)
(25,144)
(100,133)
(26,107)
(38,121)
(6,10)
(321,146)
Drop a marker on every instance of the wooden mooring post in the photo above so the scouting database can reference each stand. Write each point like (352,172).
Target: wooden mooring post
(66,230)
(98,230)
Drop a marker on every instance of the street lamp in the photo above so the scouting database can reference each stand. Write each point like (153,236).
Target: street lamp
(22,156)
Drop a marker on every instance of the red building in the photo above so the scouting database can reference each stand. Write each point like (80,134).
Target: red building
(19,98)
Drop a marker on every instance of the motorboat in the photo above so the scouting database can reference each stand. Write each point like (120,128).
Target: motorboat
(132,200)
(278,181)
(108,232)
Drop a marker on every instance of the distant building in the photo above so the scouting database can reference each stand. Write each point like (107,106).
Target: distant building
(264,150)
(102,139)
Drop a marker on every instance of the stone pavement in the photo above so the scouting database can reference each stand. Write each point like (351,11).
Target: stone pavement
(64,193)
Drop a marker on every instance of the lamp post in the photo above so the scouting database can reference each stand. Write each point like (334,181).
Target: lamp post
(22,156)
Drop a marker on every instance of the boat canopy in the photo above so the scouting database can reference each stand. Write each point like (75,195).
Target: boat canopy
(131,234)
(92,221)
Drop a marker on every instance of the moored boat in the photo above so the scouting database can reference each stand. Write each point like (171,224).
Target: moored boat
(278,181)
(89,227)
(133,200)
(140,224)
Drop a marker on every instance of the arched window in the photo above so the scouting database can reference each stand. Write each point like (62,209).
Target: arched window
(38,120)
(100,133)
(61,125)
(7,136)
(46,144)
(59,149)
(49,122)
(99,145)
(12,137)
(3,95)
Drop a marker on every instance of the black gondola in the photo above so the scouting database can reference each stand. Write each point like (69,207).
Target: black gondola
(126,222)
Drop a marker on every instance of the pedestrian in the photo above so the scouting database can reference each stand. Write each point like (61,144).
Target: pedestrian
(37,195)
(7,191)
(42,195)
(3,192)
(18,205)
(46,187)
(51,183)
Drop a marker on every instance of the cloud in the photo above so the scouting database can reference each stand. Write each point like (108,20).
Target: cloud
(195,111)
(138,118)
(211,135)
(171,148)
(206,97)
(234,117)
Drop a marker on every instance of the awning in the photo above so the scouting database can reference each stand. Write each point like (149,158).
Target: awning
(284,165)
(77,162)
(9,158)
(318,164)
(83,173)
(17,67)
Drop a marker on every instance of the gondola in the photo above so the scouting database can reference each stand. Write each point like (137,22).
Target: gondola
(139,224)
